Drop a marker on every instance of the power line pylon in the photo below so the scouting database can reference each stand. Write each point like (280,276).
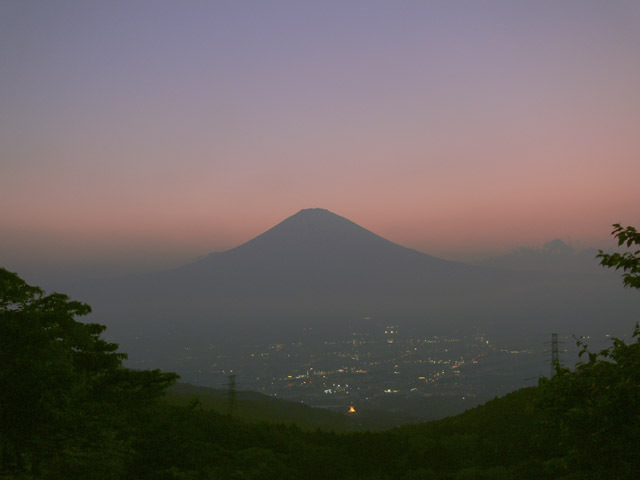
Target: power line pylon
(232,394)
(555,354)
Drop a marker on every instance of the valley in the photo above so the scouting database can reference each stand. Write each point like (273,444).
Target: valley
(373,371)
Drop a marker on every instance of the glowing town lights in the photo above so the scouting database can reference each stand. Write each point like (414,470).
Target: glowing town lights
(351,409)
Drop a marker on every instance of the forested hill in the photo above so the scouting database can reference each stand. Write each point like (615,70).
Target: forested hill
(255,407)
(546,432)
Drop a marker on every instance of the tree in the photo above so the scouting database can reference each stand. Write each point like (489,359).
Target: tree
(629,262)
(62,387)
(595,409)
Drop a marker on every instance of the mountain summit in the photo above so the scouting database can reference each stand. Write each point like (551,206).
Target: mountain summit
(313,227)
(316,239)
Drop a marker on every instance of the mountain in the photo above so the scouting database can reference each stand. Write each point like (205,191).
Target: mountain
(316,253)
(317,269)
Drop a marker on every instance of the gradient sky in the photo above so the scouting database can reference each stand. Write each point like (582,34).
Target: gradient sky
(155,131)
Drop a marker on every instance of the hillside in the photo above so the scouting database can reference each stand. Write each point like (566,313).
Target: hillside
(256,407)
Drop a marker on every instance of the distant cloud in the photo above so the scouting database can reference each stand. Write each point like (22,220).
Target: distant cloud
(555,256)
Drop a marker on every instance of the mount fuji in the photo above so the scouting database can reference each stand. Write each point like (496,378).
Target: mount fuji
(318,269)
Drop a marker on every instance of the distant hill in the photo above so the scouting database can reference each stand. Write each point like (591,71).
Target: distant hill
(319,269)
(256,407)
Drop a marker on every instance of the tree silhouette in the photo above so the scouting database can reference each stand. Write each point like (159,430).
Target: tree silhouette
(63,389)
(595,409)
(629,262)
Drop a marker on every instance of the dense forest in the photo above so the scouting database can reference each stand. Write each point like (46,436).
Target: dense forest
(69,409)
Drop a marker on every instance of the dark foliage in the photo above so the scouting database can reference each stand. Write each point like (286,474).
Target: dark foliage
(595,411)
(65,399)
(629,262)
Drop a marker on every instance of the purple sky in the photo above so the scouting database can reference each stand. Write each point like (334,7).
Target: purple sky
(151,132)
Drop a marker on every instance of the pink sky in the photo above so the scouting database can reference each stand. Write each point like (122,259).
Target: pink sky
(153,132)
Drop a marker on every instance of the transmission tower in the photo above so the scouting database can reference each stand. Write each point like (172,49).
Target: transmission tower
(555,354)
(232,393)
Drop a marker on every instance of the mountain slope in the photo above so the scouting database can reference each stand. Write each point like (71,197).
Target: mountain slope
(318,252)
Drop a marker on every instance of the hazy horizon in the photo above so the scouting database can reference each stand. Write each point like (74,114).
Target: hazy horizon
(139,136)
(134,261)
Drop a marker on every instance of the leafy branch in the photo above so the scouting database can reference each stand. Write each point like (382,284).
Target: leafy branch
(629,262)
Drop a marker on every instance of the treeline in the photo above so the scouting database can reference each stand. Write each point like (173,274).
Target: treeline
(69,409)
